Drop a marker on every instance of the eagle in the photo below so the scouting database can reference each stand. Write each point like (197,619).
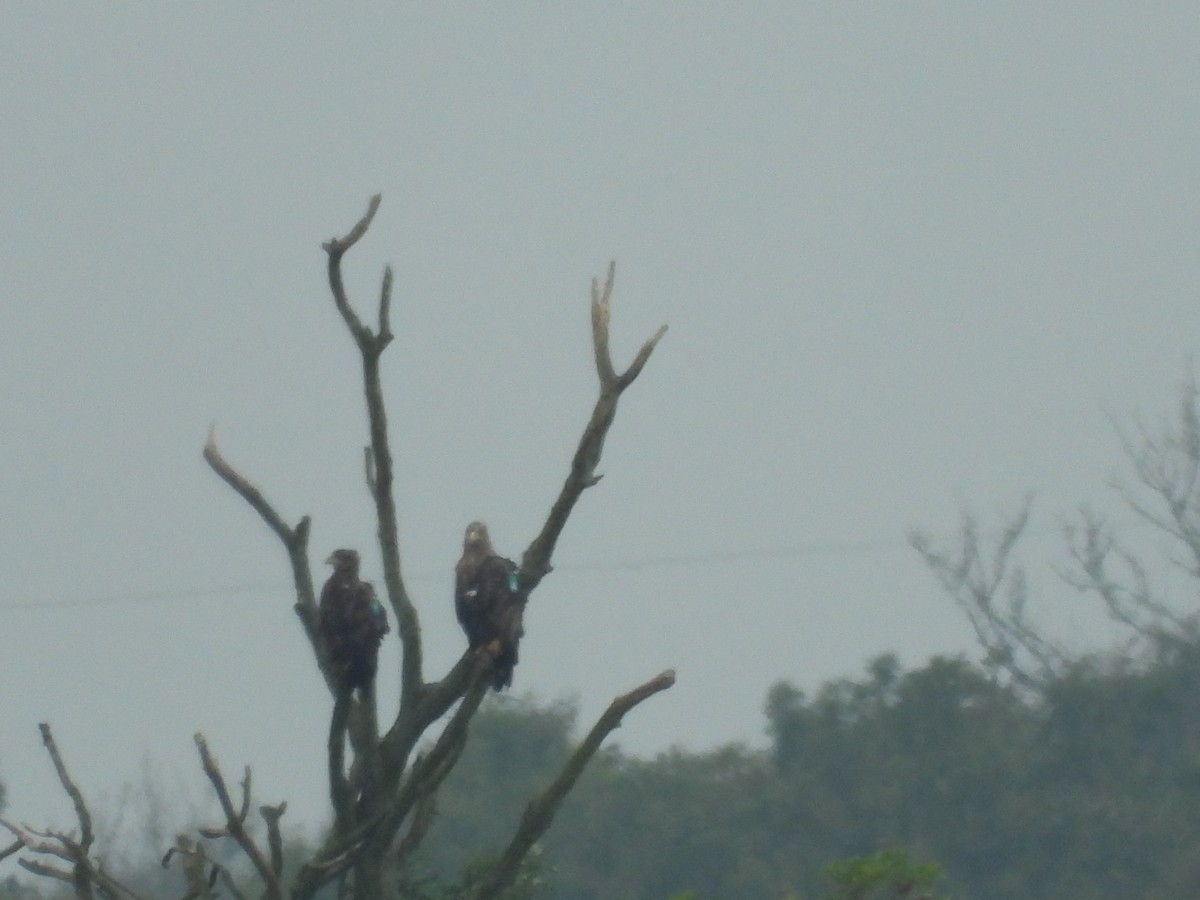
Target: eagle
(489,602)
(351,622)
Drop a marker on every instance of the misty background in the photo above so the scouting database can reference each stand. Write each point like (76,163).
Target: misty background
(914,259)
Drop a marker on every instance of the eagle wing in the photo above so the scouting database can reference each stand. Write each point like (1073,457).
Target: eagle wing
(486,600)
(352,623)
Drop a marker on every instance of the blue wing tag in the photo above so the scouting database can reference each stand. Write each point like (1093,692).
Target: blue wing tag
(514,582)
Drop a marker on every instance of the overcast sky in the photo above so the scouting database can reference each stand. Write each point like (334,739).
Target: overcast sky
(915,258)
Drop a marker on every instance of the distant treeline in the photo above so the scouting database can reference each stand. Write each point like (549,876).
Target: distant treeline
(1089,788)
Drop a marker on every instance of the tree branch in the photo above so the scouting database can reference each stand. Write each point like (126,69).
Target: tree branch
(45,870)
(271,815)
(336,248)
(81,811)
(422,819)
(535,563)
(1165,493)
(540,812)
(84,875)
(295,541)
(379,468)
(14,847)
(342,851)
(339,785)
(235,820)
(992,592)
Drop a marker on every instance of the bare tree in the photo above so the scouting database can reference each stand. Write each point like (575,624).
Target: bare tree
(992,591)
(382,798)
(1163,494)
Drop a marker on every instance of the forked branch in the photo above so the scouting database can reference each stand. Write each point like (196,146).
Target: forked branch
(344,850)
(85,875)
(86,836)
(992,591)
(379,456)
(535,564)
(235,821)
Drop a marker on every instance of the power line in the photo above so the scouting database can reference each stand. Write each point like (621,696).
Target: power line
(147,597)
(821,548)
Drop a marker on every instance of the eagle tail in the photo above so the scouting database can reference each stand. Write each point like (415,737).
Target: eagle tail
(501,678)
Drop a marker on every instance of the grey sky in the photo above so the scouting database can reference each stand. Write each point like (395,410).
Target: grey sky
(911,255)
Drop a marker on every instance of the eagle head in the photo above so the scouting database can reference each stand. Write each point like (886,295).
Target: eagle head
(344,561)
(476,538)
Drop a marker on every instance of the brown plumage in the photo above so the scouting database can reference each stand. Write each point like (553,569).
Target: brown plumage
(351,622)
(489,603)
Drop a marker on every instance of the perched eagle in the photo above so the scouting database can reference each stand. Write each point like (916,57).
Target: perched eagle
(488,601)
(352,623)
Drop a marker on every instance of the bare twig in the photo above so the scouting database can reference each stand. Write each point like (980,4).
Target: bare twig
(385,303)
(45,870)
(991,591)
(37,841)
(81,811)
(1164,493)
(1128,598)
(337,247)
(540,812)
(235,820)
(84,874)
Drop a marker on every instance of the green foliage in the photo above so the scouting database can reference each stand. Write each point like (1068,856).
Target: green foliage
(11,889)
(526,886)
(886,875)
(514,750)
(1090,790)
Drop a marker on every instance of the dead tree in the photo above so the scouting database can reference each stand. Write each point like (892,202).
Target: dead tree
(1163,494)
(991,590)
(1104,561)
(381,800)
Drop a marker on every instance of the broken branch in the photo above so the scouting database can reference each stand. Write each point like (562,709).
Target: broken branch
(295,540)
